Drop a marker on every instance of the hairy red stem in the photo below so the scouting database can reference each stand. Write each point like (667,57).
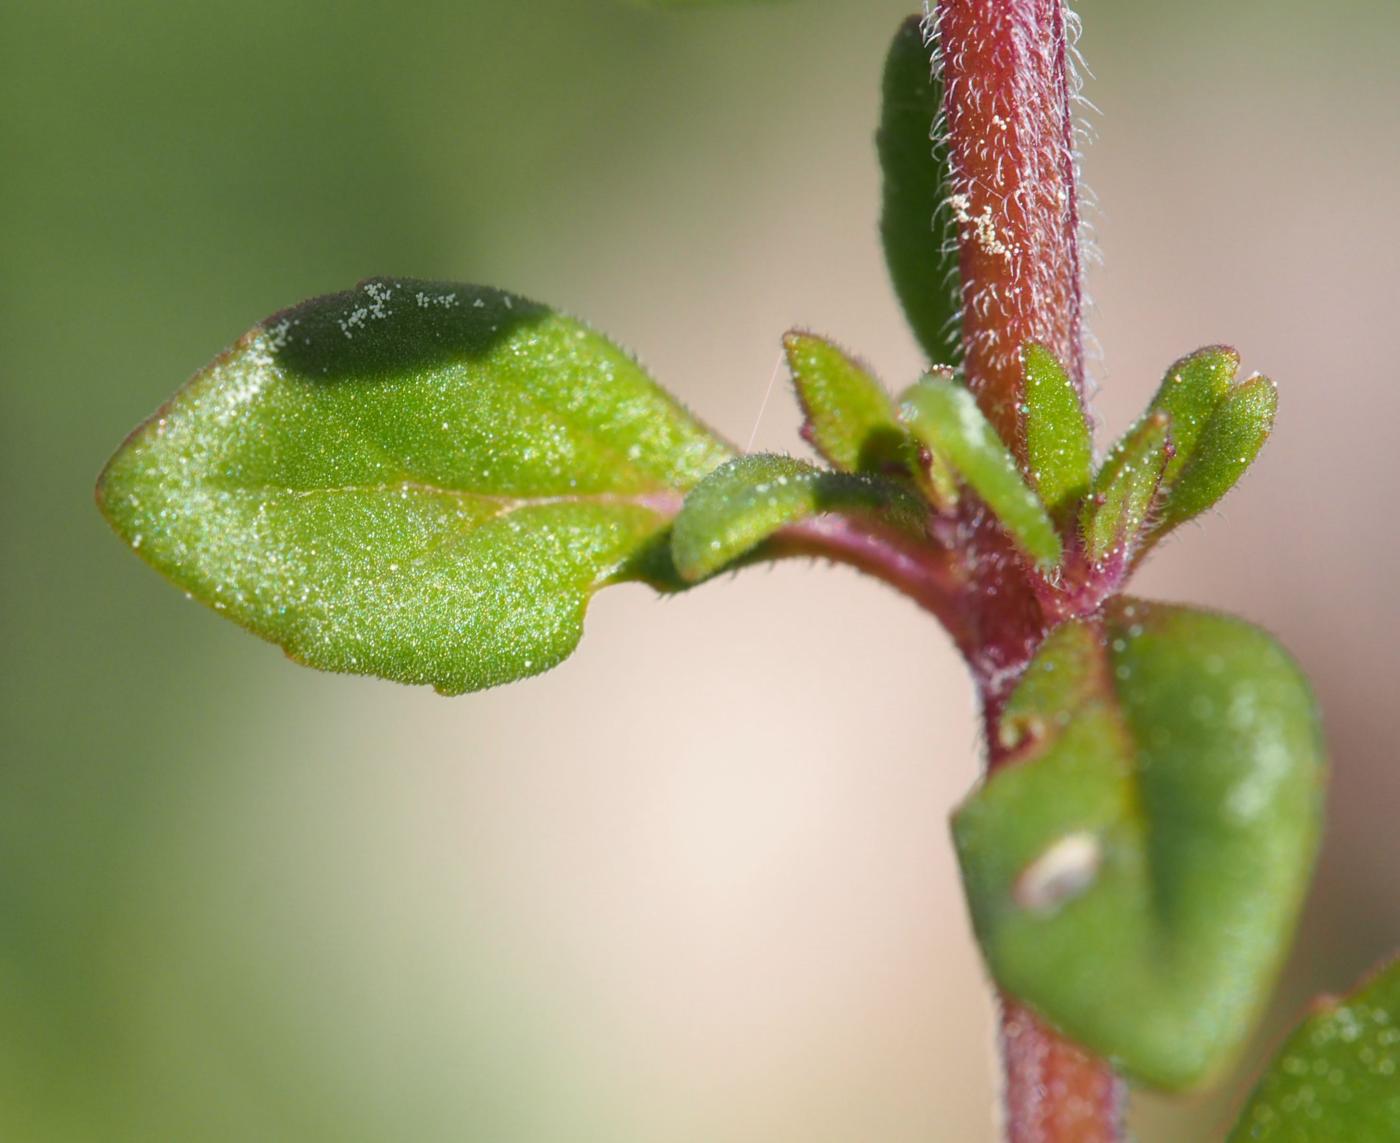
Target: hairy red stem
(1006,75)
(1007,92)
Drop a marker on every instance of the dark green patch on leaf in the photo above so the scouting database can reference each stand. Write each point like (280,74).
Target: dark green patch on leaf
(415,480)
(919,233)
(745,501)
(1338,1075)
(1136,873)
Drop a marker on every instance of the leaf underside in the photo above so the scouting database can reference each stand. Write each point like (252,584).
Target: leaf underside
(918,230)
(1135,874)
(415,480)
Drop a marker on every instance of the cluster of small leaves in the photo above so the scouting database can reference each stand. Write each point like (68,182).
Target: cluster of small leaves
(427,482)
(1194,442)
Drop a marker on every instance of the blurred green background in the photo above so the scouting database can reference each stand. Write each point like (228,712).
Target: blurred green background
(696,883)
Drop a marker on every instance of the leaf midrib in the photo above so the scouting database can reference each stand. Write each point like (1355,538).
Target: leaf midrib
(1106,683)
(664,501)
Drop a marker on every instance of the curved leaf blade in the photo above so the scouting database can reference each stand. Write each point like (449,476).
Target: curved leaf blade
(944,416)
(919,232)
(1125,489)
(1227,447)
(849,418)
(745,501)
(1136,873)
(414,480)
(1189,394)
(1059,445)
(1337,1076)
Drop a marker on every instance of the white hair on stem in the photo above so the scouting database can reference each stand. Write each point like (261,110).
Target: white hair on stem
(981,226)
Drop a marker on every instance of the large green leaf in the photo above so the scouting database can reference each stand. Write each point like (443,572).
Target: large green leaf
(919,231)
(1338,1076)
(944,416)
(420,481)
(745,501)
(1136,872)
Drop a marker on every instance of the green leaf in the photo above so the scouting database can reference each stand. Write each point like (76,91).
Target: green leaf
(1227,445)
(850,419)
(1113,517)
(919,232)
(1059,445)
(1189,394)
(419,481)
(1216,431)
(745,501)
(944,416)
(1338,1076)
(1134,873)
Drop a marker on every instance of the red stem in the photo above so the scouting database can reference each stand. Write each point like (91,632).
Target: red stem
(1055,1091)
(1007,87)
(925,572)
(1010,132)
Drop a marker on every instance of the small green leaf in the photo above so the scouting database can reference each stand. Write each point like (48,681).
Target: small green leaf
(919,232)
(1059,446)
(1135,872)
(420,481)
(745,501)
(1226,447)
(944,416)
(1216,431)
(850,419)
(1116,512)
(1338,1076)
(1189,394)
